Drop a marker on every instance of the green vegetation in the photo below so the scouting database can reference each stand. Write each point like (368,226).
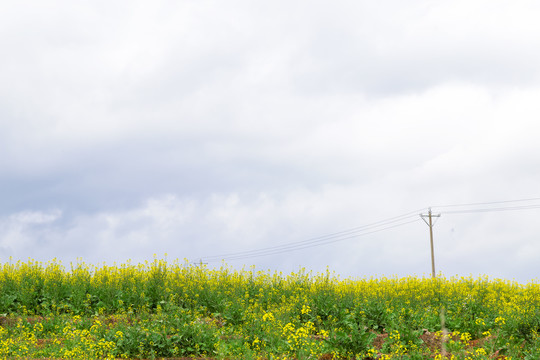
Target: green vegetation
(161,310)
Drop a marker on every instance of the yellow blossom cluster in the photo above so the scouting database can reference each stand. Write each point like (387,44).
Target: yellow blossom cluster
(160,309)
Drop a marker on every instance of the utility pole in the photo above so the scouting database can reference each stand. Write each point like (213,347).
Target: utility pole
(200,263)
(430,224)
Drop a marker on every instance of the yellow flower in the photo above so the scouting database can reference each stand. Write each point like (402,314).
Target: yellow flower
(481,351)
(268,317)
(480,321)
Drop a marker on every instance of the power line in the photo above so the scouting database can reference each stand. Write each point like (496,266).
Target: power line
(488,203)
(319,240)
(323,237)
(285,249)
(371,228)
(507,208)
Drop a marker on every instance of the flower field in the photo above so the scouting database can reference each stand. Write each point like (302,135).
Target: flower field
(177,310)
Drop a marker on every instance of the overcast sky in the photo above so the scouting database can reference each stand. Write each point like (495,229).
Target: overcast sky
(196,128)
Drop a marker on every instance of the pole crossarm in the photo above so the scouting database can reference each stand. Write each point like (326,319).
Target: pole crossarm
(424,216)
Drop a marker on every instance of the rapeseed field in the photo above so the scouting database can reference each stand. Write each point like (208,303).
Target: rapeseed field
(177,310)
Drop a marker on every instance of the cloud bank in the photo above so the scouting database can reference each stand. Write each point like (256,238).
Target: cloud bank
(199,128)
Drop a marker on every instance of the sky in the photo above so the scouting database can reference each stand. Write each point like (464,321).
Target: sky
(203,130)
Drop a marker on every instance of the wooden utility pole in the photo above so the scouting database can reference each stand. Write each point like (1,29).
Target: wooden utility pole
(430,224)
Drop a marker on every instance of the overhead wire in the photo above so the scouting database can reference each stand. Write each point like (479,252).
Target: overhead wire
(486,206)
(300,247)
(320,240)
(367,229)
(487,203)
(507,208)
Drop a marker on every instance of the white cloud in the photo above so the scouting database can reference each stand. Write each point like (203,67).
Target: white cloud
(265,123)
(35,217)
(497,244)
(20,232)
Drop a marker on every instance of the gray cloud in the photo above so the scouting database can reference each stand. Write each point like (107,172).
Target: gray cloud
(195,129)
